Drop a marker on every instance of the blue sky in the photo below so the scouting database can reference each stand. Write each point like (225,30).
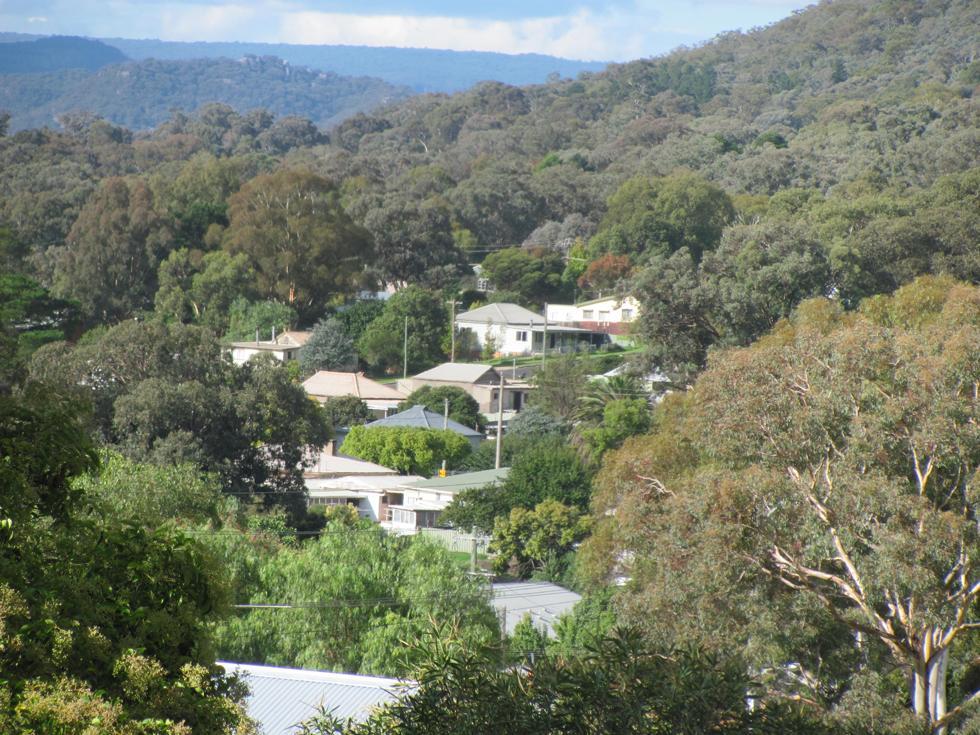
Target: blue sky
(590,29)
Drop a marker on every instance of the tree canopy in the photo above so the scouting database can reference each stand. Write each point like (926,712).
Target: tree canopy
(823,479)
(304,246)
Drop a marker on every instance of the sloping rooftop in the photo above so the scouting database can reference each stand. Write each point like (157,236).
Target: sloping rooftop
(270,346)
(359,483)
(503,313)
(282,698)
(332,384)
(337,466)
(462,481)
(422,418)
(455,372)
(543,601)
(294,338)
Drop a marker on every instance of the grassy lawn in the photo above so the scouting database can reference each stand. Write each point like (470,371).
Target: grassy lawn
(462,560)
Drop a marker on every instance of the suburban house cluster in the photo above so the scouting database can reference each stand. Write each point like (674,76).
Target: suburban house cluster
(409,504)
(406,504)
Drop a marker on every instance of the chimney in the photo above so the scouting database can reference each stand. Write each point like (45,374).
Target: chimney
(273,333)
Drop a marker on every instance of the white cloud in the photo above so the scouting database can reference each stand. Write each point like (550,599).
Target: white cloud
(207,22)
(607,30)
(582,35)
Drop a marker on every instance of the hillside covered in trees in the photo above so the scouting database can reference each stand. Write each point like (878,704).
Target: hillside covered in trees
(141,95)
(796,210)
(832,153)
(55,53)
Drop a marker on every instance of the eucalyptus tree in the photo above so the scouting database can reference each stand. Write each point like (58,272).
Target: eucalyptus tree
(814,497)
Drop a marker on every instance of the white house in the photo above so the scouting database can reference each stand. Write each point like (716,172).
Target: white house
(610,315)
(366,493)
(510,329)
(284,347)
(416,504)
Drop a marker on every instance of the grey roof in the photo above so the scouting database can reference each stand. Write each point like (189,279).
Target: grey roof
(455,372)
(282,698)
(543,601)
(503,313)
(422,418)
(462,481)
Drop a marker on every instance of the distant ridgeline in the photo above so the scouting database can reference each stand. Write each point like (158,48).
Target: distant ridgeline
(141,94)
(47,77)
(424,70)
(55,53)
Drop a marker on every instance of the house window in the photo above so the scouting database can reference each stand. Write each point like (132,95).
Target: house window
(603,316)
(627,314)
(522,336)
(587,313)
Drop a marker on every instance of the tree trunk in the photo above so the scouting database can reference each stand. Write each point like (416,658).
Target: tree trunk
(919,700)
(929,681)
(937,688)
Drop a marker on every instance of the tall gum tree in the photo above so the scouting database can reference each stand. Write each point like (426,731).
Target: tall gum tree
(303,246)
(836,459)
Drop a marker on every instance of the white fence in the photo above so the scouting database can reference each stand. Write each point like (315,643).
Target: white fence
(455,540)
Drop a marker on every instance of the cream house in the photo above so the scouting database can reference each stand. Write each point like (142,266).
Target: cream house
(284,347)
(611,315)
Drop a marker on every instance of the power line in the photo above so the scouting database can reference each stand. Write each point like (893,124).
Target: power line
(536,591)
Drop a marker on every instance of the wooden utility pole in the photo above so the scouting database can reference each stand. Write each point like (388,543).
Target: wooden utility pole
(544,336)
(405,352)
(452,329)
(500,422)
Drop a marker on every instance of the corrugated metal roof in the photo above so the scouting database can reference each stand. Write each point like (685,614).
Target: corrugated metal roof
(281,698)
(422,418)
(462,481)
(502,313)
(455,372)
(543,601)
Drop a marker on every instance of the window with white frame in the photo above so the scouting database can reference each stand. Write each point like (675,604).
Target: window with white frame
(587,313)
(522,336)
(627,314)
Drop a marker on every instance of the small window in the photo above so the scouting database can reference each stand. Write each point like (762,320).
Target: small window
(586,313)
(522,336)
(603,316)
(627,314)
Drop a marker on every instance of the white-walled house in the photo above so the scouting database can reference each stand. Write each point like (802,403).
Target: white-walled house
(366,493)
(284,347)
(610,315)
(510,329)
(416,504)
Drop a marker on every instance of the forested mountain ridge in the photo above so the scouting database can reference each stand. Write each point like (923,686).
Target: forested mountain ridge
(141,94)
(840,142)
(56,52)
(421,69)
